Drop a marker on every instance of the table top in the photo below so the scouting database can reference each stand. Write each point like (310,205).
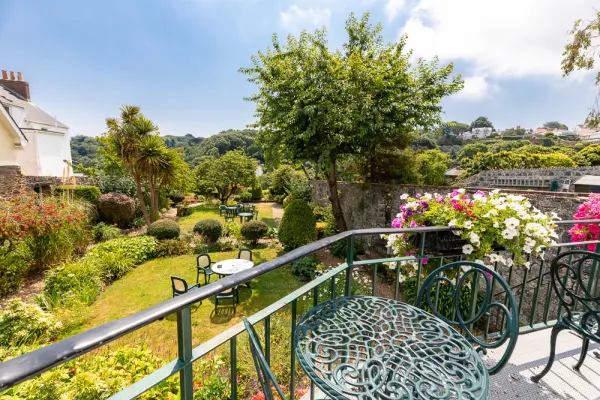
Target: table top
(245,214)
(233,266)
(373,348)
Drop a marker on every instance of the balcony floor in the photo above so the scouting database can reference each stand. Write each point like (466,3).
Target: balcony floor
(530,357)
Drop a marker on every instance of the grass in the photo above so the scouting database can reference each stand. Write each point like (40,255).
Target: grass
(265,214)
(150,284)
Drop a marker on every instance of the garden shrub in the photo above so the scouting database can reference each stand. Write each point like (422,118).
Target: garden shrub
(111,265)
(231,229)
(84,192)
(254,230)
(298,225)
(257,193)
(176,198)
(164,229)
(12,271)
(139,248)
(71,283)
(305,268)
(245,197)
(116,208)
(211,228)
(171,247)
(103,232)
(23,323)
(117,184)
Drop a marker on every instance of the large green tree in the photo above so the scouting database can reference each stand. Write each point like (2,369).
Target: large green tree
(482,122)
(226,174)
(431,165)
(555,125)
(581,52)
(318,105)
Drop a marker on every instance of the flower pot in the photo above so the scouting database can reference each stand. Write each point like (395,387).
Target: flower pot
(439,242)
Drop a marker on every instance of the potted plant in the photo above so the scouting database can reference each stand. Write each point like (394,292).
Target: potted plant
(587,232)
(482,223)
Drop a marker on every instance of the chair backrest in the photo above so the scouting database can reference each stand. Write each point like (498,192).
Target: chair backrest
(179,286)
(576,282)
(493,305)
(265,375)
(245,254)
(203,260)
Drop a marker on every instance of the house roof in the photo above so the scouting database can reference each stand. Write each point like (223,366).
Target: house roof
(32,112)
(453,172)
(592,180)
(14,129)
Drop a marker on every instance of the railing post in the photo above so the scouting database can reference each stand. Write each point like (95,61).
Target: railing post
(349,260)
(184,351)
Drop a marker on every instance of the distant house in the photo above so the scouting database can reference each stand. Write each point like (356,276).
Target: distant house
(29,137)
(477,133)
(540,131)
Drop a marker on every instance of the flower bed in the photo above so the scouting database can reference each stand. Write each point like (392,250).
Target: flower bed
(481,224)
(587,232)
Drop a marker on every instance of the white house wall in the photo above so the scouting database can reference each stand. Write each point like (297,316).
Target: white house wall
(52,150)
(8,152)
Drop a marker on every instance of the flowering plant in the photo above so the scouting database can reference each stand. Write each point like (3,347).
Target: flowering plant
(483,221)
(587,232)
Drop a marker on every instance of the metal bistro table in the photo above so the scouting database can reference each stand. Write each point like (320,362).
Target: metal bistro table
(246,215)
(233,266)
(373,348)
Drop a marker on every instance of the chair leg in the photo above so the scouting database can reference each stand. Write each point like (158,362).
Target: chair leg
(555,330)
(584,349)
(205,279)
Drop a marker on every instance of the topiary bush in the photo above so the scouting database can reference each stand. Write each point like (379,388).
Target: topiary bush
(85,192)
(305,268)
(298,225)
(254,230)
(164,229)
(116,208)
(245,197)
(176,198)
(211,228)
(257,193)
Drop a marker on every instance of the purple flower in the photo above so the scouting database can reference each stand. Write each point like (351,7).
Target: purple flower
(418,196)
(397,223)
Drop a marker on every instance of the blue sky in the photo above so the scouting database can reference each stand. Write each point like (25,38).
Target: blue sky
(179,59)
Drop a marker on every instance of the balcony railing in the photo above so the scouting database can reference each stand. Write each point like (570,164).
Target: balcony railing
(530,287)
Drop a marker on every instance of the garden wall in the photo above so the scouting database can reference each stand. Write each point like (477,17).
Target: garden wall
(12,182)
(531,178)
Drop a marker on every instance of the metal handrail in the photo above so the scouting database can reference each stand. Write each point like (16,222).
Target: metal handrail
(31,364)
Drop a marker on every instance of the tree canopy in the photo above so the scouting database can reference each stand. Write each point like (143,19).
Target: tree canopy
(318,105)
(482,122)
(555,125)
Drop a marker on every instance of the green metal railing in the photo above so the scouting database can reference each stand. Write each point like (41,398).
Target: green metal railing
(528,290)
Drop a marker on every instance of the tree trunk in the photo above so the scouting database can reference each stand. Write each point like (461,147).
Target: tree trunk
(141,202)
(335,199)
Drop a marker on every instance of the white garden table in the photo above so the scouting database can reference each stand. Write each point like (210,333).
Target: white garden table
(230,267)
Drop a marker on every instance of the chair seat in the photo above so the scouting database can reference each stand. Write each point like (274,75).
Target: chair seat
(590,330)
(226,294)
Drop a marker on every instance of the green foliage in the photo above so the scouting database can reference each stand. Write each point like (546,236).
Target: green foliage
(84,150)
(98,377)
(245,197)
(431,165)
(229,140)
(164,229)
(232,229)
(256,193)
(515,160)
(592,154)
(265,181)
(12,271)
(481,122)
(117,184)
(22,323)
(116,208)
(111,265)
(71,283)
(305,268)
(455,128)
(254,230)
(176,198)
(211,228)
(139,248)
(298,225)
(280,180)
(340,249)
(83,192)
(555,125)
(471,149)
(171,248)
(103,232)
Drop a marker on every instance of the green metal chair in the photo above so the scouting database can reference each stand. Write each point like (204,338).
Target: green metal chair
(229,294)
(482,305)
(180,286)
(575,277)
(222,210)
(245,254)
(265,375)
(203,264)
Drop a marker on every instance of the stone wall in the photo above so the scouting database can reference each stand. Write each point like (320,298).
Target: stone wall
(12,182)
(531,178)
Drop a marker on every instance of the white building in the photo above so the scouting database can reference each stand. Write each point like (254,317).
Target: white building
(477,133)
(29,137)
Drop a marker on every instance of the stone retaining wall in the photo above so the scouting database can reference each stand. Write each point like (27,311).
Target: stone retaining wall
(12,182)
(531,178)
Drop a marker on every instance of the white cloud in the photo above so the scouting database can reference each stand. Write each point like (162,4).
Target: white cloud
(393,7)
(477,88)
(305,18)
(496,39)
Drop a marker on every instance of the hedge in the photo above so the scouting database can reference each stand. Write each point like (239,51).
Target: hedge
(254,230)
(116,208)
(84,192)
(298,225)
(211,228)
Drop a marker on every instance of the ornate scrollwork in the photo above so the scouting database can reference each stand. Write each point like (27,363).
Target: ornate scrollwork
(375,348)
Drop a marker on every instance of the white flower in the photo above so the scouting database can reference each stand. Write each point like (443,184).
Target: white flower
(527,264)
(478,196)
(427,196)
(540,249)
(495,191)
(509,262)
(467,249)
(474,238)
(530,242)
(509,233)
(497,258)
(527,249)
(501,206)
(511,223)
(468,225)
(465,268)
(523,214)
(452,223)
(404,196)
(461,191)
(555,216)
(496,225)
(480,262)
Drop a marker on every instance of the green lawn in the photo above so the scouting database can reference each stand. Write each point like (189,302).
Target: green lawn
(265,213)
(150,284)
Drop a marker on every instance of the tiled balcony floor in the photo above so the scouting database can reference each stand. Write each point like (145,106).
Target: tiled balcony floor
(530,357)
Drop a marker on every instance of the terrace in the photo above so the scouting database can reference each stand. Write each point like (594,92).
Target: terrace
(536,302)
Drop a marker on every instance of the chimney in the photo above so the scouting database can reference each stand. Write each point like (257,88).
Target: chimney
(20,87)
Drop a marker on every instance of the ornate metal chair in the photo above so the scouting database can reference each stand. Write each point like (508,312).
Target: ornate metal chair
(180,286)
(265,375)
(484,308)
(575,277)
(203,264)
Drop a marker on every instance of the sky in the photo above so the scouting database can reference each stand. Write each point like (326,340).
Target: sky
(179,59)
